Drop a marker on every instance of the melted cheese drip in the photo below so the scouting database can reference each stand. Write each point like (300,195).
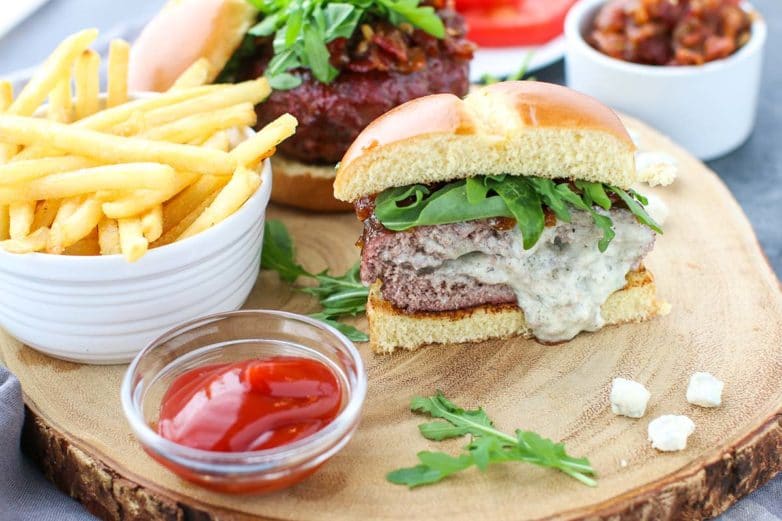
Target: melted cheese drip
(562,282)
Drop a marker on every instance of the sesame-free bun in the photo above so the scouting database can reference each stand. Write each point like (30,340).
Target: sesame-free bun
(309,187)
(524,128)
(391,328)
(183,32)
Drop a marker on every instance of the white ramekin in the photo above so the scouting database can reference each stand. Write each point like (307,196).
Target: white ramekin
(709,109)
(104,310)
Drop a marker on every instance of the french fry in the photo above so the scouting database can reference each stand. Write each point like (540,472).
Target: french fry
(218,141)
(45,213)
(6,95)
(195,75)
(87,79)
(27,170)
(108,237)
(36,241)
(241,187)
(4,222)
(129,176)
(21,217)
(117,73)
(56,67)
(86,247)
(108,119)
(177,229)
(67,208)
(253,92)
(114,149)
(131,239)
(198,126)
(152,223)
(61,102)
(6,98)
(140,201)
(77,226)
(263,143)
(179,207)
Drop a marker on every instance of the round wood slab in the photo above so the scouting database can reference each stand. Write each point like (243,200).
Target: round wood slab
(726,319)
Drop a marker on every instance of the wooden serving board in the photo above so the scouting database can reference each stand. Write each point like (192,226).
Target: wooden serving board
(726,319)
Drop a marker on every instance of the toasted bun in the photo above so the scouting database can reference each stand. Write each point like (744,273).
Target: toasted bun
(309,187)
(183,32)
(520,128)
(390,328)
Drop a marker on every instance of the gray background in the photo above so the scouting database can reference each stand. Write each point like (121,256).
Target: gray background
(753,173)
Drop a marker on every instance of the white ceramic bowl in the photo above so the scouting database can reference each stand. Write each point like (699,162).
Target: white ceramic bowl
(104,310)
(709,109)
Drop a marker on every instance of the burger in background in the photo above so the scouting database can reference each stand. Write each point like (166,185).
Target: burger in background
(336,66)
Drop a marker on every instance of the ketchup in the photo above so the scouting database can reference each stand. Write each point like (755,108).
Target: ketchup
(250,405)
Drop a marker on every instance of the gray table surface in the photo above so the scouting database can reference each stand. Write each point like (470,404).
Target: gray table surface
(753,172)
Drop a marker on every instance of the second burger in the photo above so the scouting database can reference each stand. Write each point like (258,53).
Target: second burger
(336,66)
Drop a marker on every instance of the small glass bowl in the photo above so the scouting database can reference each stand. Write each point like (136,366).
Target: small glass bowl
(234,337)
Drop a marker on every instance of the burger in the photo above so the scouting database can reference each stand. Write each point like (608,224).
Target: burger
(510,212)
(335,66)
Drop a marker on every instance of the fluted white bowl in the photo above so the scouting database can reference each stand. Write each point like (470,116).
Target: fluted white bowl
(104,309)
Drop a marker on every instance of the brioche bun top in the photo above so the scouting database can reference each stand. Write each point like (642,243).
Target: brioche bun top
(183,32)
(524,128)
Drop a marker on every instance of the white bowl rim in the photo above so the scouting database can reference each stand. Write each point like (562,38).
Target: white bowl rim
(583,8)
(172,249)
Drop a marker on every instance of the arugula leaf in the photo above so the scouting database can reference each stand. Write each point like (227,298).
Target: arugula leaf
(488,446)
(595,192)
(277,254)
(636,208)
(524,203)
(339,296)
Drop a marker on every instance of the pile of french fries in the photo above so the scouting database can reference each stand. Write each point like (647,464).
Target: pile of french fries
(103,175)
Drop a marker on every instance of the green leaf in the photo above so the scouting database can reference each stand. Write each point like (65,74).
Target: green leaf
(439,431)
(346,329)
(317,55)
(293,28)
(415,476)
(637,209)
(278,254)
(548,192)
(341,20)
(267,26)
(596,193)
(525,205)
(284,81)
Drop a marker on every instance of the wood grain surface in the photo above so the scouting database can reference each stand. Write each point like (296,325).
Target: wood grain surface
(726,319)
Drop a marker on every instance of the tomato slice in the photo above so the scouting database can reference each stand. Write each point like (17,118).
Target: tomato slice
(517,23)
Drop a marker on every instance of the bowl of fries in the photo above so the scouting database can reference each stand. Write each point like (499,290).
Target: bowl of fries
(122,215)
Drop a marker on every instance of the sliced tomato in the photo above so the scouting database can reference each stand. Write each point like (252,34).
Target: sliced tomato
(517,23)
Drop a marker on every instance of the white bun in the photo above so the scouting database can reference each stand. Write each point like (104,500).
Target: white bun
(524,128)
(183,32)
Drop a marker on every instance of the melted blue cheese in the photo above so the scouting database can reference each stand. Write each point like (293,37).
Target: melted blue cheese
(562,282)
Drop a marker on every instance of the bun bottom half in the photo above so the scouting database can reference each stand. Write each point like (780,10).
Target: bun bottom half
(391,328)
(308,187)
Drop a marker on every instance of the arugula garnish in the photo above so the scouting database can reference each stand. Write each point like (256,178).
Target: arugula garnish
(488,445)
(303,28)
(339,296)
(522,198)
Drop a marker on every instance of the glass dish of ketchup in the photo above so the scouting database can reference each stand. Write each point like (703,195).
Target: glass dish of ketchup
(245,402)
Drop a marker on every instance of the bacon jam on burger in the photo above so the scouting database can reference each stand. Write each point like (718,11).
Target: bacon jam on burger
(335,65)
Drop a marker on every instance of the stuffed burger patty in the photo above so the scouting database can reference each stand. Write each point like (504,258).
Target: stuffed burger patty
(508,213)
(335,66)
